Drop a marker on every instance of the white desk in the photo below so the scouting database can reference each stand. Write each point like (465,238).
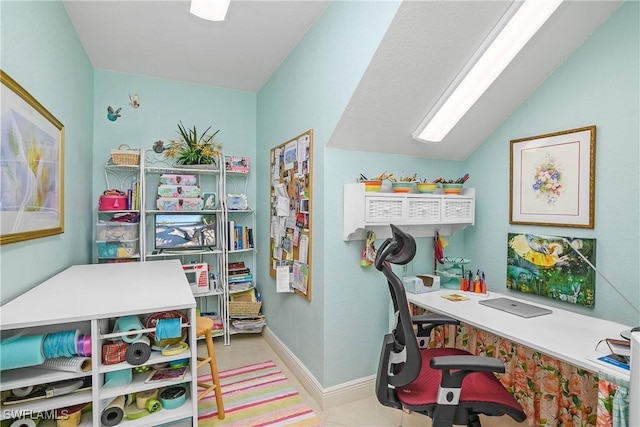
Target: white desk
(565,335)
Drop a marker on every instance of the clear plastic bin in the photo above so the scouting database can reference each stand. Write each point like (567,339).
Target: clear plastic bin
(122,249)
(111,231)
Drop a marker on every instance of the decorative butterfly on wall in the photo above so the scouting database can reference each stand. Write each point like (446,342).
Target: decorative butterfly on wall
(113,115)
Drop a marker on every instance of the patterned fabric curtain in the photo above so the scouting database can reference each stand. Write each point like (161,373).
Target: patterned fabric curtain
(613,401)
(551,392)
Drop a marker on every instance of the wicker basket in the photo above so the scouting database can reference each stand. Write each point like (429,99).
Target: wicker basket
(244,308)
(125,156)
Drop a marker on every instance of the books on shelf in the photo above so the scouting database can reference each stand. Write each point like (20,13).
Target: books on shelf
(239,265)
(240,236)
(133,197)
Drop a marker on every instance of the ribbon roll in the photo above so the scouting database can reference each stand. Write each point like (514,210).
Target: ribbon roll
(168,328)
(83,345)
(173,397)
(118,378)
(153,405)
(114,412)
(138,352)
(21,351)
(132,412)
(172,350)
(179,363)
(127,324)
(143,397)
(86,345)
(139,369)
(69,364)
(61,344)
(22,391)
(70,416)
(79,347)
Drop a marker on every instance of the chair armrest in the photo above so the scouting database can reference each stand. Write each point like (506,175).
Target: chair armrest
(437,319)
(468,363)
(455,368)
(426,323)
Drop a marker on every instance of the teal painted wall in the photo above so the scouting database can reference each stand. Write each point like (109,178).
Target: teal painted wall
(357,299)
(598,85)
(41,51)
(310,91)
(163,103)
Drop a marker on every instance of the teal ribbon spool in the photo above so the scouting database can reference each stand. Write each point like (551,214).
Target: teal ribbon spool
(168,328)
(128,324)
(173,397)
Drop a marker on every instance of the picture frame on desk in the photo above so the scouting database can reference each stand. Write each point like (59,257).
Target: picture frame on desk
(552,179)
(32,167)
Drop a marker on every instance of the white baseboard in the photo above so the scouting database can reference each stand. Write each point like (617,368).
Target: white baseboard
(325,397)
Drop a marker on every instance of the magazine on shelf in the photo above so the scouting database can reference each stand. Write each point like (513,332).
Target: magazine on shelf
(166,374)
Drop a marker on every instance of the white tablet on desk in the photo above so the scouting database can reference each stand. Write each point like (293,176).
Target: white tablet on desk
(515,307)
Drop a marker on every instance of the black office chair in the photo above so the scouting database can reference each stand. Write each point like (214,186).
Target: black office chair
(449,385)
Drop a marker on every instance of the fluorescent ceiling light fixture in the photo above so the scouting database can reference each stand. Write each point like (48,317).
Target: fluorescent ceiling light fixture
(211,10)
(511,34)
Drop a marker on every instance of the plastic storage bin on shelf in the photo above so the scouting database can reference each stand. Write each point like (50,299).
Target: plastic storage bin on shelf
(110,231)
(119,249)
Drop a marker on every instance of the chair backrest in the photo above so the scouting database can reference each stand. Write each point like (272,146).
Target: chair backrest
(400,249)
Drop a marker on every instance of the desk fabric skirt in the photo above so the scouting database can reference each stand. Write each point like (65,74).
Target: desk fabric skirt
(551,392)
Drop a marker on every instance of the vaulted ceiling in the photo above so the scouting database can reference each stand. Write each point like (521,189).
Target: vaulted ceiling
(424,49)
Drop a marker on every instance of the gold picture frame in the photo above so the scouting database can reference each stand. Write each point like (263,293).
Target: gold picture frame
(552,179)
(32,167)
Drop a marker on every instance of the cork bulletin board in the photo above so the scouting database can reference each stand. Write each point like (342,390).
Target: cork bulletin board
(291,213)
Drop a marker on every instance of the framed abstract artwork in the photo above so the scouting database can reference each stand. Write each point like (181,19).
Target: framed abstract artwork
(552,179)
(31,167)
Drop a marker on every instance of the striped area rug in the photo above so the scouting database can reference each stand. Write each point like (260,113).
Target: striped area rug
(256,395)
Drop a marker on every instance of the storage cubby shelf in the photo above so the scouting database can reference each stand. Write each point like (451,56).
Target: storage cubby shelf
(106,292)
(419,214)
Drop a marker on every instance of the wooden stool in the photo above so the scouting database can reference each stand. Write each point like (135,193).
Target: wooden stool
(204,326)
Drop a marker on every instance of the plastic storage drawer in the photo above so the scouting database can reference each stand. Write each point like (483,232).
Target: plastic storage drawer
(121,249)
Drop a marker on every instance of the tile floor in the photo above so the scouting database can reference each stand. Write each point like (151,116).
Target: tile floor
(252,348)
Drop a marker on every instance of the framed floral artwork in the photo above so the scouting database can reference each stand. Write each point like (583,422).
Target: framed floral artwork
(552,179)
(31,170)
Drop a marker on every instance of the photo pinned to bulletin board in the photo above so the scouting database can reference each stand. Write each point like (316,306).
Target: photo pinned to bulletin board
(291,211)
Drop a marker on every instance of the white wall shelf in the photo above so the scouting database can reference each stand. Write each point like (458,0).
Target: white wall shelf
(419,214)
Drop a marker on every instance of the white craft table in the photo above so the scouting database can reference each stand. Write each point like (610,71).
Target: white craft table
(89,298)
(563,334)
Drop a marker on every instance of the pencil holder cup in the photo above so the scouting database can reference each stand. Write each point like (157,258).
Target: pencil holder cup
(452,188)
(402,187)
(372,185)
(426,187)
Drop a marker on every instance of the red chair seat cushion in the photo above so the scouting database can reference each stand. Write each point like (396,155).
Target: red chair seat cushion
(482,388)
